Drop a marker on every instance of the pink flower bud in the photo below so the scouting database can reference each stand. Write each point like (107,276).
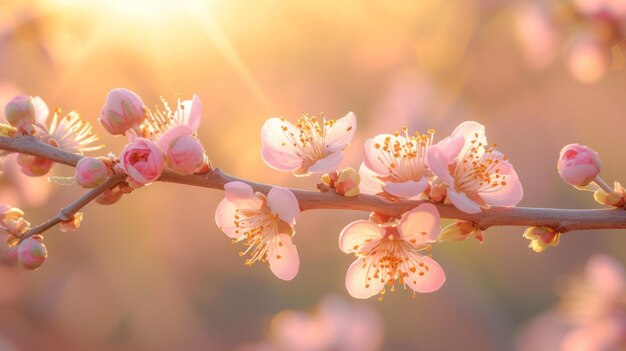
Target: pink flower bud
(20,112)
(123,110)
(32,253)
(185,154)
(578,164)
(541,237)
(348,182)
(34,166)
(142,161)
(460,230)
(91,171)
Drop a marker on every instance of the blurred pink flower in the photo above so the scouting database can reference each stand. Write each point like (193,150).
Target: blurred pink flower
(578,165)
(538,36)
(122,111)
(264,223)
(391,252)
(34,166)
(142,161)
(396,164)
(32,253)
(588,59)
(475,174)
(306,147)
(20,112)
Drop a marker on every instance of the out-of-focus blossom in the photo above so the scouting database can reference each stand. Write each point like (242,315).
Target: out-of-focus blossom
(34,166)
(538,36)
(264,224)
(110,196)
(590,317)
(92,171)
(541,237)
(20,112)
(32,253)
(612,8)
(334,325)
(142,161)
(461,230)
(122,111)
(397,163)
(346,182)
(72,224)
(306,147)
(12,220)
(588,59)
(476,176)
(21,189)
(578,165)
(391,253)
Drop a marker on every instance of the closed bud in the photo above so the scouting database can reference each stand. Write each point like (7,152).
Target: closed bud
(20,112)
(578,164)
(122,111)
(438,192)
(72,224)
(32,253)
(34,166)
(541,237)
(185,154)
(459,231)
(348,181)
(92,171)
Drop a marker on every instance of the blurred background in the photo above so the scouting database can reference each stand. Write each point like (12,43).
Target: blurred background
(153,272)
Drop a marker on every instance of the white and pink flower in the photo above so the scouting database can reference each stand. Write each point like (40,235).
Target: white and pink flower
(474,174)
(264,224)
(392,252)
(395,165)
(142,161)
(306,147)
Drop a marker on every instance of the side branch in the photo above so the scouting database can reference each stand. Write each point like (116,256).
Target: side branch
(562,220)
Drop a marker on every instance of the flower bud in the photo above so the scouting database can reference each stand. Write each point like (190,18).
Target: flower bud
(578,164)
(92,171)
(32,253)
(438,192)
(142,161)
(109,196)
(345,183)
(541,237)
(34,166)
(460,230)
(72,224)
(12,220)
(185,154)
(616,198)
(20,112)
(123,110)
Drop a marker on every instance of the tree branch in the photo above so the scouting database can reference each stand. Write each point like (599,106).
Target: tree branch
(562,220)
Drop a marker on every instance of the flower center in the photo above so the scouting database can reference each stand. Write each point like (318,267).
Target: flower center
(258,232)
(479,169)
(405,157)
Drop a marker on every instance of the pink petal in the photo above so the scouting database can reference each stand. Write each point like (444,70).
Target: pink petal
(438,163)
(369,181)
(284,260)
(327,164)
(432,279)
(225,218)
(471,130)
(281,140)
(376,158)
(451,146)
(242,195)
(407,189)
(357,284)
(41,110)
(281,161)
(171,134)
(462,202)
(341,133)
(508,195)
(420,225)
(193,113)
(283,203)
(357,234)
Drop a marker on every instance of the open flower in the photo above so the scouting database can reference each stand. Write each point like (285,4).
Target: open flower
(391,253)
(474,174)
(396,164)
(306,147)
(142,161)
(263,223)
(188,114)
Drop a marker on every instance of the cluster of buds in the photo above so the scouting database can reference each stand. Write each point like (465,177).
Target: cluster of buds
(30,252)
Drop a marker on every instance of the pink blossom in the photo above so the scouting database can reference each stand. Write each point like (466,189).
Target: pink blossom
(32,253)
(187,117)
(184,152)
(395,164)
(122,111)
(474,174)
(306,147)
(91,172)
(264,223)
(142,161)
(589,59)
(391,253)
(20,112)
(34,166)
(578,164)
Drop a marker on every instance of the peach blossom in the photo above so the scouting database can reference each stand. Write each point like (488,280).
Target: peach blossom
(34,166)
(91,172)
(12,220)
(184,152)
(578,164)
(187,116)
(264,223)
(20,112)
(391,253)
(32,253)
(306,147)
(142,161)
(474,174)
(122,111)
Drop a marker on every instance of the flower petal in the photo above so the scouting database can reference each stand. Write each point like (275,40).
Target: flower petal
(281,161)
(284,260)
(327,164)
(376,158)
(242,195)
(507,195)
(278,138)
(171,134)
(41,110)
(462,202)
(225,218)
(420,225)
(340,134)
(357,283)
(407,189)
(471,131)
(369,181)
(357,234)
(438,163)
(432,279)
(283,203)
(192,113)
